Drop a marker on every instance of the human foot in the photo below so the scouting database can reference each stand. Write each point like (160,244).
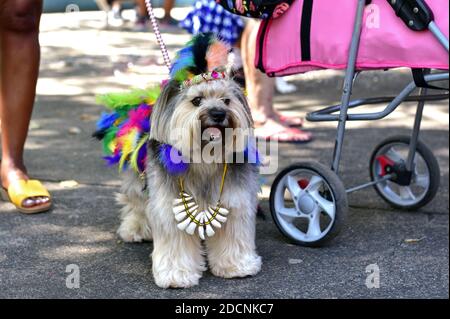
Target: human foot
(28,196)
(169,21)
(274,131)
(292,121)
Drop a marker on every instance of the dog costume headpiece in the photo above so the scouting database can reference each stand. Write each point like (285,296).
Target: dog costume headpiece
(204,59)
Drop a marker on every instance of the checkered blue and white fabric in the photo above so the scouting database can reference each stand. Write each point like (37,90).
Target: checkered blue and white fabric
(207,16)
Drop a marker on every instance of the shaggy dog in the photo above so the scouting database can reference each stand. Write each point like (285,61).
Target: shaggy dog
(223,238)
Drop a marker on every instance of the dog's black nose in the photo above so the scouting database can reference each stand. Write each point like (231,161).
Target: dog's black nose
(217,115)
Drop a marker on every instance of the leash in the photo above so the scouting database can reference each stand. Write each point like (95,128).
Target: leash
(166,58)
(159,38)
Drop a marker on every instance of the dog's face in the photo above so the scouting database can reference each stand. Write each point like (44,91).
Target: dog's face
(207,113)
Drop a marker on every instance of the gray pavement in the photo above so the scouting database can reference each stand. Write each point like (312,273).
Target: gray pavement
(80,60)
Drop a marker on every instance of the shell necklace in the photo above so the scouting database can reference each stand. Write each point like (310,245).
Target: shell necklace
(189,218)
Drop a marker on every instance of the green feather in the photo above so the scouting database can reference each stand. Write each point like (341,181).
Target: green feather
(110,136)
(182,75)
(127,100)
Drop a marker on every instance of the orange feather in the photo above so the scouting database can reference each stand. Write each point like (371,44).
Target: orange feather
(217,55)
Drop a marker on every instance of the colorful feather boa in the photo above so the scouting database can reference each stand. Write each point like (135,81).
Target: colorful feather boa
(125,131)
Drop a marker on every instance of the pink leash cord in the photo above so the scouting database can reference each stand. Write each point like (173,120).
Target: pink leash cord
(159,38)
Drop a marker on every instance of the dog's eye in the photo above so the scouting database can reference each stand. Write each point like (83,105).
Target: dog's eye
(227,101)
(197,101)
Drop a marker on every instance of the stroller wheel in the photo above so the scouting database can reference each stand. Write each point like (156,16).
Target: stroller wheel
(308,203)
(405,190)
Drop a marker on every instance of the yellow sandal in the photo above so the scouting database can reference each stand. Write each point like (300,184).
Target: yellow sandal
(21,190)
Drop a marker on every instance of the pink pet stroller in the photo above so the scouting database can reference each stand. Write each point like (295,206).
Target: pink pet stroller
(308,201)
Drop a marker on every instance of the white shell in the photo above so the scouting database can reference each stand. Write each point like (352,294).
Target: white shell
(209,231)
(221,218)
(184,224)
(201,232)
(200,217)
(216,224)
(218,218)
(220,210)
(223,211)
(177,201)
(182,207)
(181,216)
(184,196)
(191,228)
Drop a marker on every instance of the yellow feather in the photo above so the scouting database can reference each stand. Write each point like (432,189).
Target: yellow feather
(134,156)
(128,145)
(112,146)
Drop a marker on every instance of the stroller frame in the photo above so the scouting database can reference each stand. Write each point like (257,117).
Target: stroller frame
(330,198)
(350,77)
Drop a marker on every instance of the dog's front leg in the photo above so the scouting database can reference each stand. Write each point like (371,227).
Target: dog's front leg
(231,251)
(178,260)
(134,226)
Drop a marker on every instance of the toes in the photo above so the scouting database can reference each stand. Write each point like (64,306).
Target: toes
(35,201)
(45,200)
(29,203)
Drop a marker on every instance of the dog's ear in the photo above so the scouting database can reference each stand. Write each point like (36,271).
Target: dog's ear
(169,91)
(163,110)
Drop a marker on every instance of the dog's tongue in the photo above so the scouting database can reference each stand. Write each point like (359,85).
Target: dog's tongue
(213,133)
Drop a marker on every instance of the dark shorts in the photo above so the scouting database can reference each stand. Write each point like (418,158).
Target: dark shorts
(20,15)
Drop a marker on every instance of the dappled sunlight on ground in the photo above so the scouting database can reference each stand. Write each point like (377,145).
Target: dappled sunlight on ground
(81,58)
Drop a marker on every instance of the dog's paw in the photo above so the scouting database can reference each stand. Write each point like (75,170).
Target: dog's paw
(133,231)
(246,266)
(176,278)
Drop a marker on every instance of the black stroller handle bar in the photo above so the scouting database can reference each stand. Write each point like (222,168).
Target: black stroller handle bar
(416,14)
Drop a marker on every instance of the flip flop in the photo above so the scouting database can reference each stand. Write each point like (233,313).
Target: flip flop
(18,192)
(291,121)
(281,135)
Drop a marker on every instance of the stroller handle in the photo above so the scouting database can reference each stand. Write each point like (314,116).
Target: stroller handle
(416,14)
(438,34)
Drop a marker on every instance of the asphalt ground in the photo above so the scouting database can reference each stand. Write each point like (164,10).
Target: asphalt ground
(82,59)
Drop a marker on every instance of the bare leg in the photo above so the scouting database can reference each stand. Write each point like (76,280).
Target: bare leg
(261,89)
(141,8)
(19,67)
(168,6)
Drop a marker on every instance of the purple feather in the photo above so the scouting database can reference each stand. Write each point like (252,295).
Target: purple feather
(112,160)
(146,126)
(172,160)
(251,155)
(142,158)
